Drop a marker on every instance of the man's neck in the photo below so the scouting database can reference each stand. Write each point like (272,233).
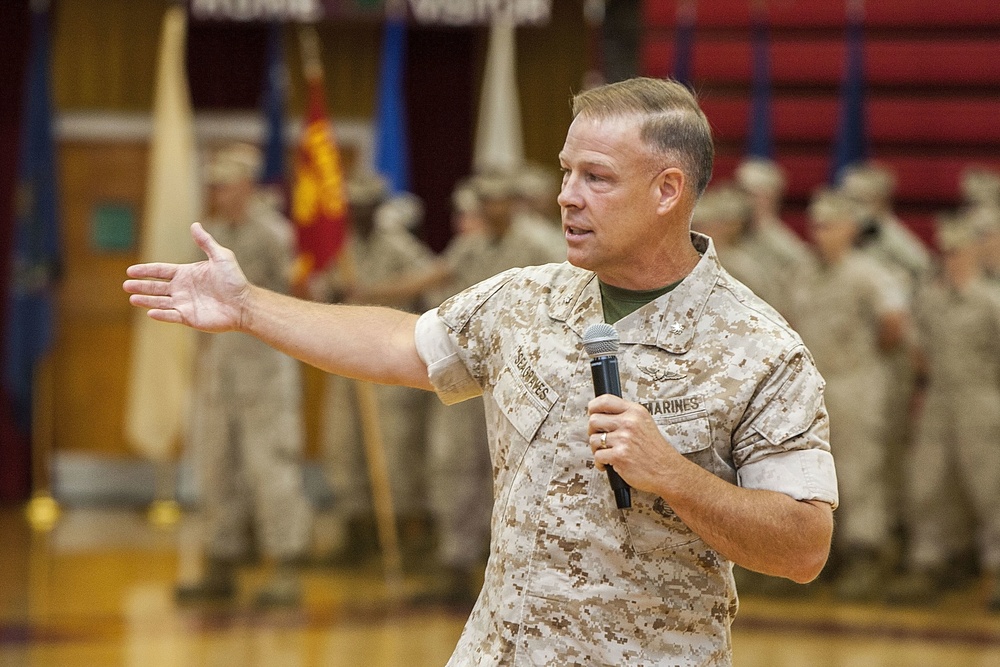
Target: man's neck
(671,267)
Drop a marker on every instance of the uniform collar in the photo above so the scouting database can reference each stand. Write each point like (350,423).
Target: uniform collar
(670,324)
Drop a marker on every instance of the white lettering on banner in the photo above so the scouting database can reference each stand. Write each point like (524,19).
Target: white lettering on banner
(253,10)
(469,12)
(435,12)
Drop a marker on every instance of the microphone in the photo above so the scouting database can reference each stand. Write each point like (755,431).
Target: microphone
(601,343)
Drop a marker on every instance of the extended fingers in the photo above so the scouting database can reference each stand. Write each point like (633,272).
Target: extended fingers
(153,270)
(148,301)
(151,287)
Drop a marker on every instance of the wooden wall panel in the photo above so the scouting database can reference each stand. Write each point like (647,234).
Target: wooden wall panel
(91,356)
(104,53)
(91,359)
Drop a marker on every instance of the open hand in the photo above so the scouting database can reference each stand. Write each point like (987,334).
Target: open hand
(209,295)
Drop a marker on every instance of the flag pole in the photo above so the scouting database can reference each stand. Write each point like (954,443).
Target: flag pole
(42,510)
(385,515)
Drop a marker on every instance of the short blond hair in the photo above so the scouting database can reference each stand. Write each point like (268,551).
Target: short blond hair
(671,121)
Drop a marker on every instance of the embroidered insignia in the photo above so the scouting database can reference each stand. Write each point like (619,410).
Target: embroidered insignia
(658,375)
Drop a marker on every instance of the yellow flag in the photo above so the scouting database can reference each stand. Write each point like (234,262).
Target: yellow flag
(499,142)
(162,354)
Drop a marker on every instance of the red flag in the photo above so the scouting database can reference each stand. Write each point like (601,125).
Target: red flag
(319,203)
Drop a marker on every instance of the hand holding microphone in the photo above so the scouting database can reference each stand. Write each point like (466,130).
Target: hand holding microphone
(601,343)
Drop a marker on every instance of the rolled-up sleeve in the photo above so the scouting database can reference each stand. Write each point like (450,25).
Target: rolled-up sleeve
(806,474)
(445,368)
(784,443)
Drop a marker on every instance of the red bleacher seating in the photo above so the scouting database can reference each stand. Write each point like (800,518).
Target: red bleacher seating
(958,123)
(797,61)
(932,71)
(799,14)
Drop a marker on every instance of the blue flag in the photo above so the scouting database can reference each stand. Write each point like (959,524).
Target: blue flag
(35,251)
(684,42)
(852,137)
(760,143)
(392,158)
(275,90)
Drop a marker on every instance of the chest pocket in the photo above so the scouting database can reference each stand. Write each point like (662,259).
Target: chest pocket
(525,407)
(652,524)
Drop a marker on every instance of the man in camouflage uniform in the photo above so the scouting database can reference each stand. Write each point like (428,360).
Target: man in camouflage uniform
(248,429)
(850,312)
(980,188)
(537,188)
(885,238)
(782,252)
(958,436)
(987,223)
(383,254)
(459,464)
(722,435)
(725,214)
(981,204)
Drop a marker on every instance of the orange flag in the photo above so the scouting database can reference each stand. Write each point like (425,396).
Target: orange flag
(319,203)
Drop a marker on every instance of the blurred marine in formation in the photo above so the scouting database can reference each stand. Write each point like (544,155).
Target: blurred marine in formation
(885,238)
(850,312)
(247,429)
(725,213)
(490,238)
(956,459)
(374,269)
(780,250)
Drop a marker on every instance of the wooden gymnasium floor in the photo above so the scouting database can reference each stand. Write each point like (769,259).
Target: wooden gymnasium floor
(97,591)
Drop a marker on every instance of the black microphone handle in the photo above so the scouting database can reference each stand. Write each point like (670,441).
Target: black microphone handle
(608,381)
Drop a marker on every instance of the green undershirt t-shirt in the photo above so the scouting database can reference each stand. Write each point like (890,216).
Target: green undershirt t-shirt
(618,302)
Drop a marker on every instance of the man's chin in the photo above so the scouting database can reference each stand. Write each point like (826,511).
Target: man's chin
(579,260)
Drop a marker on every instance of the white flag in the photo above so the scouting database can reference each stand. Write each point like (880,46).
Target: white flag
(161,364)
(499,144)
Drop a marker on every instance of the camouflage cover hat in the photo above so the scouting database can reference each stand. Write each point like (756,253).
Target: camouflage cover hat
(980,185)
(403,211)
(367,189)
(722,203)
(494,185)
(756,174)
(233,162)
(535,182)
(867,182)
(985,219)
(954,232)
(464,198)
(829,206)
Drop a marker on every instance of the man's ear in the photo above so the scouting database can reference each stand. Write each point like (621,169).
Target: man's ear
(670,186)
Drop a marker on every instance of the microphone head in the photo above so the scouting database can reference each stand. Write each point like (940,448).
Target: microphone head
(600,340)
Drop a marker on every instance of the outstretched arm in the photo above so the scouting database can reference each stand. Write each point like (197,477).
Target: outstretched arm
(362,342)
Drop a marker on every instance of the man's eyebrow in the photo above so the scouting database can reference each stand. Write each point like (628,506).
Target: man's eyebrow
(588,162)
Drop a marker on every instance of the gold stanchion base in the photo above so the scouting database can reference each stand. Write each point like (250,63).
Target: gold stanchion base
(42,512)
(164,513)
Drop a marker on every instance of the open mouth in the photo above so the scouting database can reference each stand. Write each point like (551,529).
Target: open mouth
(576,231)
